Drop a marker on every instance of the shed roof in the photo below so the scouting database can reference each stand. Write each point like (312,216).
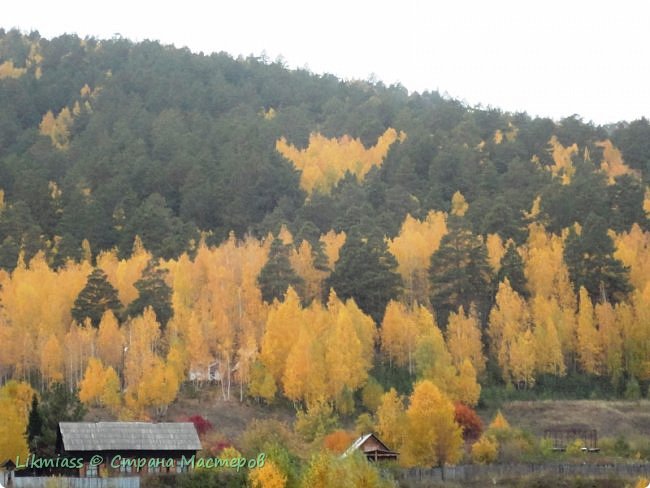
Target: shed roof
(358,444)
(116,436)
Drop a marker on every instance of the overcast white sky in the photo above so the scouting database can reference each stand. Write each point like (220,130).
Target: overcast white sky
(551,58)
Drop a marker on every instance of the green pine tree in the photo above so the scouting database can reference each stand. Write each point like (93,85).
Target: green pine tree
(277,274)
(95,298)
(154,292)
(34,430)
(459,272)
(366,272)
(589,258)
(512,268)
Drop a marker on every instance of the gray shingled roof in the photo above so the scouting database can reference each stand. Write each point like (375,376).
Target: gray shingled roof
(117,436)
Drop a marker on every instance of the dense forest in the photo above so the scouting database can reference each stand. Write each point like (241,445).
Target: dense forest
(329,243)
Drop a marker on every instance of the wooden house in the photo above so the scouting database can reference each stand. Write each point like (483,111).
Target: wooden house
(126,448)
(373,448)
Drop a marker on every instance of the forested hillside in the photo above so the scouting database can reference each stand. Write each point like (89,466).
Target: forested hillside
(318,241)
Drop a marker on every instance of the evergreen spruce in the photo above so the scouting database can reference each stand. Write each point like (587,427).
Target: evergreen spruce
(95,298)
(512,268)
(589,258)
(153,292)
(35,422)
(366,272)
(459,272)
(277,274)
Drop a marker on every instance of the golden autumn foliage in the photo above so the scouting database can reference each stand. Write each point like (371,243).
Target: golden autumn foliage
(455,375)
(459,205)
(110,341)
(589,344)
(57,128)
(302,262)
(391,419)
(433,436)
(12,431)
(15,402)
(399,335)
(36,306)
(52,366)
(412,247)
(92,385)
(332,243)
(8,70)
(633,249)
(499,422)
(325,161)
(268,476)
(468,389)
(433,360)
(464,340)
(123,273)
(511,338)
(317,353)
(485,450)
(554,335)
(562,157)
(496,250)
(612,164)
(544,268)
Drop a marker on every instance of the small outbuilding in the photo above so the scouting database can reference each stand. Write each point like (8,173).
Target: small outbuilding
(373,448)
(127,448)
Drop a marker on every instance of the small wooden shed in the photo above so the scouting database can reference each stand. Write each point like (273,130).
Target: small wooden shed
(373,448)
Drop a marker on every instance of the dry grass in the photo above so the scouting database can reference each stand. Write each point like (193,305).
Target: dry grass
(229,418)
(609,418)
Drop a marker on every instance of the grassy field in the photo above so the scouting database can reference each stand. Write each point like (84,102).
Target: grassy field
(609,418)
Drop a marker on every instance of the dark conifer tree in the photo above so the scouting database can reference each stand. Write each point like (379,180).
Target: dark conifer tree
(366,272)
(589,258)
(512,267)
(153,292)
(459,272)
(95,298)
(34,431)
(277,274)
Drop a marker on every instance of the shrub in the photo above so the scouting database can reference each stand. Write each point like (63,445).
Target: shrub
(213,443)
(201,424)
(317,421)
(261,435)
(469,420)
(575,448)
(485,450)
(621,447)
(499,422)
(338,441)
(267,476)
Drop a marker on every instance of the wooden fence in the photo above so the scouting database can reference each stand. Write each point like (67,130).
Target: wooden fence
(61,482)
(495,472)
